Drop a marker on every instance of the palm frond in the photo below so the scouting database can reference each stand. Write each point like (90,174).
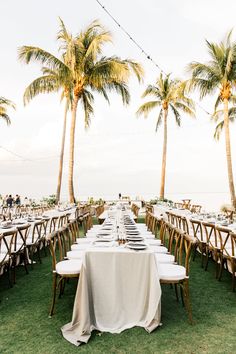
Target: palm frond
(87,100)
(184,108)
(147,107)
(159,119)
(5,102)
(218,102)
(152,90)
(176,114)
(5,117)
(43,84)
(28,53)
(218,130)
(121,88)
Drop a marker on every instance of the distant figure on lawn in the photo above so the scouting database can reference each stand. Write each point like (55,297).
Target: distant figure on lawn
(17,200)
(9,201)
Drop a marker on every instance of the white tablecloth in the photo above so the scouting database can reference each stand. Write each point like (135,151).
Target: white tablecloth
(118,289)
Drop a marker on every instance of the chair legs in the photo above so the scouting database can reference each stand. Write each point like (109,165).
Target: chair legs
(54,289)
(233,275)
(176,292)
(187,300)
(9,275)
(207,258)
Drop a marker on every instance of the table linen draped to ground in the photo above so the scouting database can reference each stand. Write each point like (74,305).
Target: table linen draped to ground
(118,289)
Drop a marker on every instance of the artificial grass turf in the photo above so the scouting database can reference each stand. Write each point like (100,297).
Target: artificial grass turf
(26,328)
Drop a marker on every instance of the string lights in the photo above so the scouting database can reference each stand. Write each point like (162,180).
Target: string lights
(140,48)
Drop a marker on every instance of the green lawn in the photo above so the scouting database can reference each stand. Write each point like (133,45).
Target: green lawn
(26,328)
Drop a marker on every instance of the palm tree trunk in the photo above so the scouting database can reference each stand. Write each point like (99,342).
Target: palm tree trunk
(228,152)
(72,148)
(61,156)
(163,167)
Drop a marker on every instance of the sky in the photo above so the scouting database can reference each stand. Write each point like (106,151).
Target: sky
(120,153)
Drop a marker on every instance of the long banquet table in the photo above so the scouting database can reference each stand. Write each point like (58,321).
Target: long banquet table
(118,289)
(119,286)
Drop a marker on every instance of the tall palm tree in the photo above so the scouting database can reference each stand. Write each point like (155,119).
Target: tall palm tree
(218,75)
(52,81)
(4,104)
(83,65)
(167,94)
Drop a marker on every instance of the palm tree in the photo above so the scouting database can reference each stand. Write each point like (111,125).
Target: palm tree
(4,104)
(168,94)
(87,71)
(52,81)
(218,75)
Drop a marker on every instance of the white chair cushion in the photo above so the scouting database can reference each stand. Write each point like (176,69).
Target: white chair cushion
(79,247)
(171,272)
(159,249)
(83,240)
(164,258)
(75,254)
(153,242)
(69,267)
(95,228)
(148,236)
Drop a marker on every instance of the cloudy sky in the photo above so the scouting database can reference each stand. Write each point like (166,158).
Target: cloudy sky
(120,152)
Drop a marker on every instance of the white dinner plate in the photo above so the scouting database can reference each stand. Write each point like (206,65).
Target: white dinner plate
(134,238)
(136,246)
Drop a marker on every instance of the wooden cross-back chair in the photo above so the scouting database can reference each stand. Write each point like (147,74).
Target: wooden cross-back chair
(178,274)
(19,248)
(87,223)
(6,243)
(201,239)
(74,230)
(34,241)
(53,224)
(61,269)
(195,208)
(223,235)
(229,257)
(213,245)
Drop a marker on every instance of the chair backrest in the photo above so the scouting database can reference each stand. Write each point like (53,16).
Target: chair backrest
(62,221)
(196,208)
(152,223)
(210,233)
(148,219)
(222,234)
(53,224)
(37,231)
(167,234)
(74,230)
(158,224)
(183,249)
(53,241)
(87,222)
(6,242)
(183,223)
(197,229)
(21,236)
(173,219)
(65,241)
(229,246)
(186,203)
(46,221)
